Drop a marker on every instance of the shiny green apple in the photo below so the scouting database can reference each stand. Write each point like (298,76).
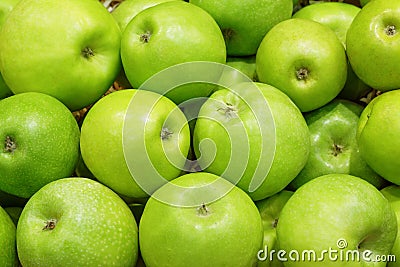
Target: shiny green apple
(305,60)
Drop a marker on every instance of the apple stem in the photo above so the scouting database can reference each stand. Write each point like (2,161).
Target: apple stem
(337,149)
(275,223)
(9,145)
(145,37)
(203,210)
(390,30)
(165,133)
(50,224)
(227,33)
(87,52)
(229,110)
(302,73)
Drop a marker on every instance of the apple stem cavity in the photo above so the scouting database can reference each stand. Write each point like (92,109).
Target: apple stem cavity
(203,210)
(50,224)
(337,149)
(390,30)
(165,133)
(9,145)
(145,37)
(229,111)
(87,52)
(275,223)
(228,34)
(302,74)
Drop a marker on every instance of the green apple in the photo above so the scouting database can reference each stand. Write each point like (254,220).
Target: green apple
(244,23)
(8,254)
(188,230)
(377,135)
(128,9)
(305,60)
(270,209)
(76,222)
(373,44)
(143,143)
(336,220)
(40,142)
(392,193)
(68,49)
(253,135)
(334,147)
(338,16)
(5,7)
(154,40)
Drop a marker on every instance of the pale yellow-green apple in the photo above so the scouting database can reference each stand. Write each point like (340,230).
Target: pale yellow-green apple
(377,135)
(155,40)
(181,226)
(244,23)
(336,220)
(76,222)
(373,44)
(334,147)
(253,135)
(69,49)
(305,60)
(39,142)
(134,141)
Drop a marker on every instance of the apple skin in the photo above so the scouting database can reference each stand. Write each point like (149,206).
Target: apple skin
(47,47)
(5,7)
(203,235)
(305,60)
(104,145)
(377,135)
(337,16)
(157,40)
(128,9)
(8,255)
(76,222)
(40,142)
(223,117)
(332,208)
(334,147)
(373,44)
(270,209)
(244,23)
(392,193)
